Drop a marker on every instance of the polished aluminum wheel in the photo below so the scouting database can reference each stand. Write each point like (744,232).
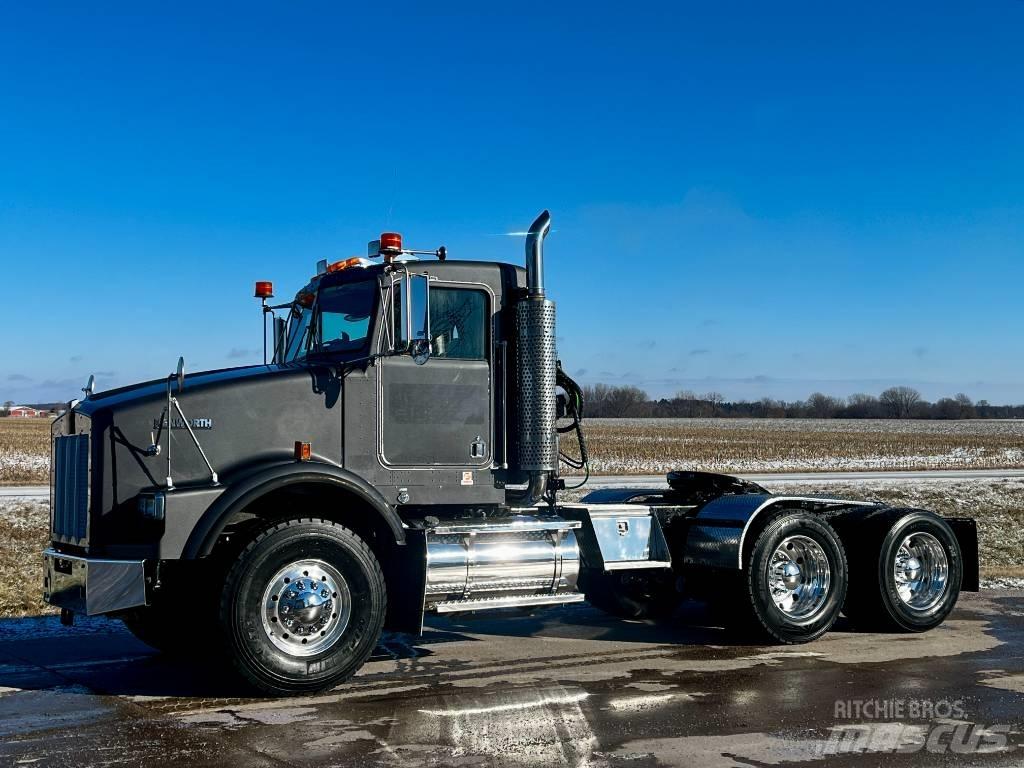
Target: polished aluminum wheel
(921,571)
(799,577)
(306,607)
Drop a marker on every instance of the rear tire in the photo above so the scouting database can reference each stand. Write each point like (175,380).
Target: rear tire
(303,607)
(906,575)
(796,578)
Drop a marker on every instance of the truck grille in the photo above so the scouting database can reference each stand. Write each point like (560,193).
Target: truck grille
(70,508)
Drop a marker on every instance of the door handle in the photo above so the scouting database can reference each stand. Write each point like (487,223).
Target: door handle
(479,448)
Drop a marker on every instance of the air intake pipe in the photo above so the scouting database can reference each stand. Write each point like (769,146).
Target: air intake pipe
(536,364)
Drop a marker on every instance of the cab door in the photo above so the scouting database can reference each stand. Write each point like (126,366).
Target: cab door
(438,413)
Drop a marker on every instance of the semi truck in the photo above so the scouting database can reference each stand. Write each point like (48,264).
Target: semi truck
(400,453)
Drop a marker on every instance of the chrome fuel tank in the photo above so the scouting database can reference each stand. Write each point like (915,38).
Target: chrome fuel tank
(519,561)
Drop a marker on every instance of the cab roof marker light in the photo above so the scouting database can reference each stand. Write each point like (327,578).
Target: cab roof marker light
(355,261)
(390,242)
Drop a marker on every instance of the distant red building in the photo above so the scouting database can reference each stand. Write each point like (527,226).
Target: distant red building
(25,412)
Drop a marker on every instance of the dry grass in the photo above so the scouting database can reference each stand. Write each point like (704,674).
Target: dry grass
(653,446)
(24,451)
(24,535)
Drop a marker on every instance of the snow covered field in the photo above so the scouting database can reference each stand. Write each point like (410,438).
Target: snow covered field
(653,446)
(21,467)
(24,451)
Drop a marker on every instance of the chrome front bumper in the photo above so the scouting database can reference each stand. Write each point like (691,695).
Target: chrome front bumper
(93,586)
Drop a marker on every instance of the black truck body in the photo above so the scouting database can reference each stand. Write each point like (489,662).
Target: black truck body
(405,441)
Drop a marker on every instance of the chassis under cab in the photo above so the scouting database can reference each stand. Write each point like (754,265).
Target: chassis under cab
(400,457)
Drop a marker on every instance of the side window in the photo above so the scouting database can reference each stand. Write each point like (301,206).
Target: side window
(459,321)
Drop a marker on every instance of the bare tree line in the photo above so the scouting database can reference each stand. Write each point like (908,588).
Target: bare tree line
(607,401)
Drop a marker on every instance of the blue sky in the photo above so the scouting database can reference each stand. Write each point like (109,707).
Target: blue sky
(755,198)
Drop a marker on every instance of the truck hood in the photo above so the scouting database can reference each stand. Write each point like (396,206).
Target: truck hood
(241,417)
(156,390)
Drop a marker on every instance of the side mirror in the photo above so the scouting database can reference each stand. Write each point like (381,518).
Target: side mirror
(413,336)
(280,339)
(180,374)
(90,386)
(419,307)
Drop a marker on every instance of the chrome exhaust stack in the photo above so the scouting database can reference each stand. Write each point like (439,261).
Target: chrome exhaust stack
(536,363)
(535,255)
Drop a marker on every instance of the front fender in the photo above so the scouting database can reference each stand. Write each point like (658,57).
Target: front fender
(716,536)
(248,489)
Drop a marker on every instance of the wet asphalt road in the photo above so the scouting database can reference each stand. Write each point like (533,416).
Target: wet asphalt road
(564,686)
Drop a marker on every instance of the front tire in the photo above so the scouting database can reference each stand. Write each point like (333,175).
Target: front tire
(796,579)
(303,607)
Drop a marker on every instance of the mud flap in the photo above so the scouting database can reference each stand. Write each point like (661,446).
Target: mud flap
(966,531)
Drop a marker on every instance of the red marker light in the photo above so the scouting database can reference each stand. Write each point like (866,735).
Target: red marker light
(305,299)
(390,242)
(264,289)
(303,451)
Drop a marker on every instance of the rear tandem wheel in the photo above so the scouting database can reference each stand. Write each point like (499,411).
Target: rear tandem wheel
(906,573)
(795,579)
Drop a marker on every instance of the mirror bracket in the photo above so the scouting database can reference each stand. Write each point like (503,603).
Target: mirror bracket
(420,351)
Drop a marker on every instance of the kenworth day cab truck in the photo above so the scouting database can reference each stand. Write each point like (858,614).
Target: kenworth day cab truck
(400,456)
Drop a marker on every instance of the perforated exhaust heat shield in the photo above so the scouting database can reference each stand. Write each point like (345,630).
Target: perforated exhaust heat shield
(536,362)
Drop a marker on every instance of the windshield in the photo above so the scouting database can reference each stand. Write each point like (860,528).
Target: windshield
(343,315)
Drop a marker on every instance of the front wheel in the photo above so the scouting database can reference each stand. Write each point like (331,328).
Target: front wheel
(796,579)
(303,607)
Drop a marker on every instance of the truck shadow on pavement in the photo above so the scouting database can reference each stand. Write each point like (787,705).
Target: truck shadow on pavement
(99,655)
